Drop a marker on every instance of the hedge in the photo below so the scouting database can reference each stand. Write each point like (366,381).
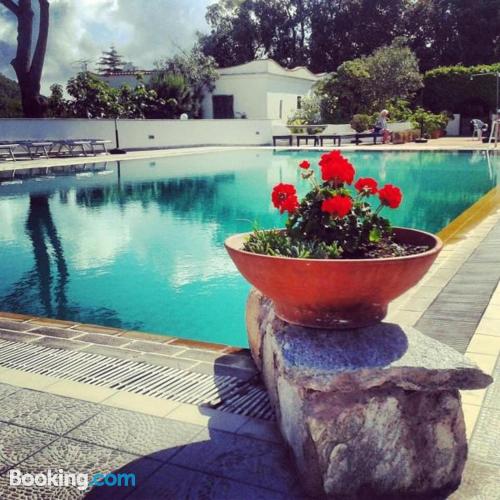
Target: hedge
(450,87)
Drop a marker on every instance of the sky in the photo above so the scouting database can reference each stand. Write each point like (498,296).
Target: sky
(143,31)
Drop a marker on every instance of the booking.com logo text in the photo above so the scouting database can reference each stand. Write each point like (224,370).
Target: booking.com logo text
(63,479)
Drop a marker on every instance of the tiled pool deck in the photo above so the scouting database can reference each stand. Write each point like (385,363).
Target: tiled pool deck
(182,450)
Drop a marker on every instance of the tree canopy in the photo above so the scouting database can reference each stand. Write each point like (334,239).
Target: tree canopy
(322,34)
(186,77)
(93,98)
(384,79)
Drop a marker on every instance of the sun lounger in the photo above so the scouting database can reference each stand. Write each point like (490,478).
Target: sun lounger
(70,147)
(99,143)
(36,148)
(77,147)
(7,149)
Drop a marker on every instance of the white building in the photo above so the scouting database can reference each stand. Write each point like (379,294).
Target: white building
(131,78)
(260,89)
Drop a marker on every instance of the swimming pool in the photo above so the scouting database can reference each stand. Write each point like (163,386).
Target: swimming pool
(139,245)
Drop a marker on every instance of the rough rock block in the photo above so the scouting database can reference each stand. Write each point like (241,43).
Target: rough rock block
(368,413)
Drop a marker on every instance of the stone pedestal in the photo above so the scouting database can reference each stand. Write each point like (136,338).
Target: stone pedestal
(372,413)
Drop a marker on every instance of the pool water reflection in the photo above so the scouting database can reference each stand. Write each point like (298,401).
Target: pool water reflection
(140,245)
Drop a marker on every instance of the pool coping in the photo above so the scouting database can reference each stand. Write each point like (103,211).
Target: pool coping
(153,348)
(433,145)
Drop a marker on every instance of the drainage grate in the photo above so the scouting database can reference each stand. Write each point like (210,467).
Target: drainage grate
(224,393)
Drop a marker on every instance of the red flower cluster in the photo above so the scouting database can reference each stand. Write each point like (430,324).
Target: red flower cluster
(335,171)
(336,168)
(338,205)
(284,198)
(366,185)
(390,196)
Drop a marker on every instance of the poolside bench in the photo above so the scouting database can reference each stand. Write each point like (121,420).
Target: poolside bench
(359,136)
(8,150)
(306,137)
(282,138)
(334,138)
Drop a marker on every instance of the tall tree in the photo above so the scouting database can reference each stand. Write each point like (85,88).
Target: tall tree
(242,30)
(369,83)
(342,30)
(449,32)
(323,34)
(110,62)
(28,63)
(198,74)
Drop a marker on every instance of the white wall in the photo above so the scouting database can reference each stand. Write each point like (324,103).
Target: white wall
(259,95)
(143,134)
(139,134)
(453,127)
(286,89)
(248,91)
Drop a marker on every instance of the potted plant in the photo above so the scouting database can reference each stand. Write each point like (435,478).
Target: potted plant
(430,125)
(337,263)
(306,119)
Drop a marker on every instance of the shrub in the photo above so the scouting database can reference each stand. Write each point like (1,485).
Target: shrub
(428,122)
(451,87)
(361,122)
(308,114)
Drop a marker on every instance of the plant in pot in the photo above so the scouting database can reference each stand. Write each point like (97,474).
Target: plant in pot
(430,125)
(306,119)
(338,262)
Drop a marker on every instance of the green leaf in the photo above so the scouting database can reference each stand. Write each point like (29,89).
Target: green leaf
(375,235)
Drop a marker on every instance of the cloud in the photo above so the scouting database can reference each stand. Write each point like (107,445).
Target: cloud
(142,31)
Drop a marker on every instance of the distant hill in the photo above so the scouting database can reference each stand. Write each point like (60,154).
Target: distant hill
(10,98)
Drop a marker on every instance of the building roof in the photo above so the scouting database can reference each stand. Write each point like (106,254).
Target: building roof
(269,66)
(134,72)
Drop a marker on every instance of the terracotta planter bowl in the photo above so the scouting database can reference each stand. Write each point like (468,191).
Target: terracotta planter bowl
(348,293)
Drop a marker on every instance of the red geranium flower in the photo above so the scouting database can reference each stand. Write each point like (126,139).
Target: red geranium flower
(304,164)
(366,185)
(390,196)
(284,198)
(338,205)
(336,168)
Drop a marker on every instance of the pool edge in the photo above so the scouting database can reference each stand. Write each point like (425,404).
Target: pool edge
(458,228)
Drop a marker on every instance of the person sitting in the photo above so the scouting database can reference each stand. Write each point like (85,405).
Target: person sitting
(381,126)
(479,128)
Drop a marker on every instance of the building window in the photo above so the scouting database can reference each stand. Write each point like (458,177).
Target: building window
(299,102)
(281,109)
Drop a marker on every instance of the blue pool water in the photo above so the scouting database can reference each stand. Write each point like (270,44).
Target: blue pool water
(140,244)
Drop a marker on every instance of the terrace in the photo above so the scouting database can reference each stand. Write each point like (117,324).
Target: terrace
(101,399)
